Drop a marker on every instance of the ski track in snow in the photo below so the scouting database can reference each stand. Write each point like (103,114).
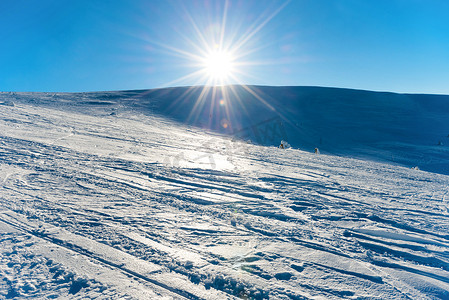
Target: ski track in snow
(133,206)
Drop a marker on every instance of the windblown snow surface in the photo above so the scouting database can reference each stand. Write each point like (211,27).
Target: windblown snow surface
(159,194)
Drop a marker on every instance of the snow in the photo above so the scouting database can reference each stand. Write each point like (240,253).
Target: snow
(125,195)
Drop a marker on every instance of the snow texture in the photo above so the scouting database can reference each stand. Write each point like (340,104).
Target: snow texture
(128,195)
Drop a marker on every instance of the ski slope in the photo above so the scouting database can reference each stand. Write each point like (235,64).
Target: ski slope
(402,129)
(115,196)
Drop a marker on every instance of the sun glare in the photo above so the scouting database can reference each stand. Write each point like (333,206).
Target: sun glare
(219,57)
(219,66)
(218,54)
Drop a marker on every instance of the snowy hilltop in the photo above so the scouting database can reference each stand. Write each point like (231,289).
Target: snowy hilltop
(184,193)
(404,129)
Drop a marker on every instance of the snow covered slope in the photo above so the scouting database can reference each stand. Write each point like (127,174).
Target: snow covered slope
(409,130)
(104,195)
(406,129)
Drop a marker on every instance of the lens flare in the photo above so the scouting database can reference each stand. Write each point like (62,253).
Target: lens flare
(219,66)
(218,49)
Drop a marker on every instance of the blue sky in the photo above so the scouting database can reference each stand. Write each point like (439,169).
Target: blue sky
(66,45)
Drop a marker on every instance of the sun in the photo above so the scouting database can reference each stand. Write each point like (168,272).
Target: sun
(218,65)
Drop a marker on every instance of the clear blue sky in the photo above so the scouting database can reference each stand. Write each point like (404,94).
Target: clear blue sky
(92,45)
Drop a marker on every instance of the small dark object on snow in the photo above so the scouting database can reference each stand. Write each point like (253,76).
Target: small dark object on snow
(284,145)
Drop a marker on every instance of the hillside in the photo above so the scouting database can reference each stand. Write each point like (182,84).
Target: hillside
(402,129)
(407,129)
(148,195)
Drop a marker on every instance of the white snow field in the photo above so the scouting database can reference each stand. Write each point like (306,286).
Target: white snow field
(122,195)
